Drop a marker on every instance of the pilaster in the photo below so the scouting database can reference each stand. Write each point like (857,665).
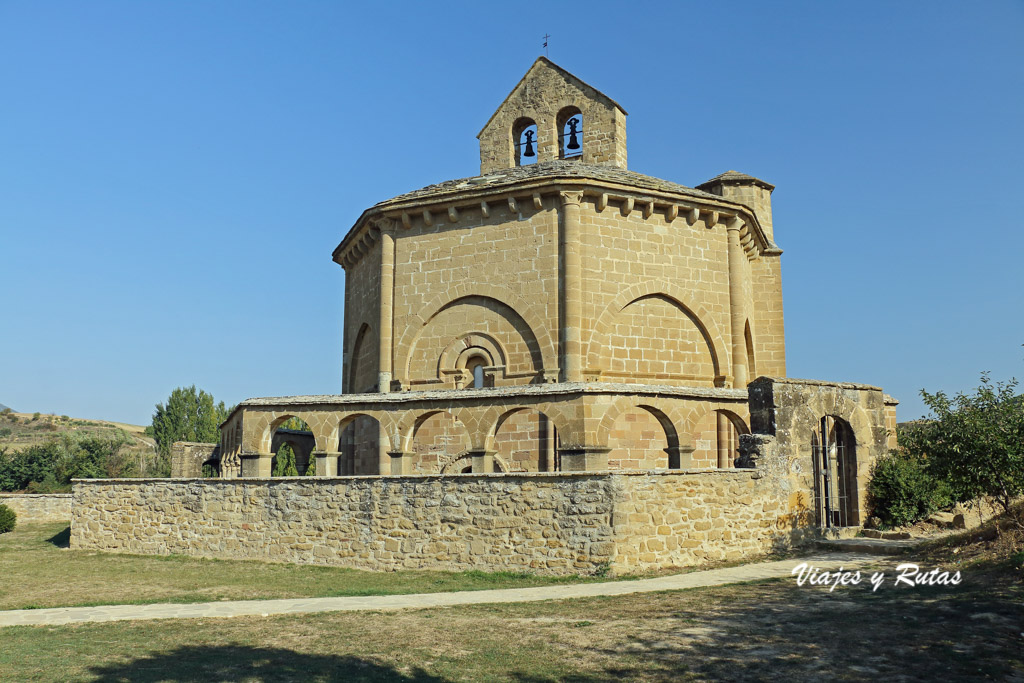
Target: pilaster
(737,301)
(387,302)
(572,287)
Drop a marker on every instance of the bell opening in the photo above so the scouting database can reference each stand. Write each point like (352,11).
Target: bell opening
(570,133)
(525,142)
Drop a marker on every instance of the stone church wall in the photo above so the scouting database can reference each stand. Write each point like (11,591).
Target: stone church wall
(493,277)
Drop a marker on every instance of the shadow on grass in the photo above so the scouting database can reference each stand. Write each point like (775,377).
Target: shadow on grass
(781,631)
(237,662)
(61,539)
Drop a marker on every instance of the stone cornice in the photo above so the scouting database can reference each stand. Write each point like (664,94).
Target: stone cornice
(559,390)
(448,207)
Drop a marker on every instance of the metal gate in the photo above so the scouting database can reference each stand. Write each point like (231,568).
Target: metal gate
(835,484)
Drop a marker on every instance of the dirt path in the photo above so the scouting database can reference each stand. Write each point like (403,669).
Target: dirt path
(713,577)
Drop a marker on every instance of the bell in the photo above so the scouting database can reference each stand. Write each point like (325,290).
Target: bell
(528,152)
(574,142)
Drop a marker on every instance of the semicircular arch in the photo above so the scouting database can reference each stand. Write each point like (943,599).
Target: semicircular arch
(528,316)
(700,317)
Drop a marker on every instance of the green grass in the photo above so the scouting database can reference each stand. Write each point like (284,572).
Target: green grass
(38,570)
(755,631)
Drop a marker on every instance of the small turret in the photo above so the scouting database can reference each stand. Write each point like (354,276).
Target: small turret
(745,189)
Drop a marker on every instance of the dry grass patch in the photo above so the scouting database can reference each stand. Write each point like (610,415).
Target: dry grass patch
(38,570)
(743,632)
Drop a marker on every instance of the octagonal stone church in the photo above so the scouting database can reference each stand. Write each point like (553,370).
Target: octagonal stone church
(564,314)
(555,316)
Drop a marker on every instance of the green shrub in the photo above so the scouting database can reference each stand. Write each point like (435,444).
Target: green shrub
(902,490)
(7,519)
(52,465)
(49,484)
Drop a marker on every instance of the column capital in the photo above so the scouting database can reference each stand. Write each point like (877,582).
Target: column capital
(571,197)
(385,225)
(734,223)
(680,457)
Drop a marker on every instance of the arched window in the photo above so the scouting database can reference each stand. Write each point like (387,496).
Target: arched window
(475,367)
(524,141)
(570,133)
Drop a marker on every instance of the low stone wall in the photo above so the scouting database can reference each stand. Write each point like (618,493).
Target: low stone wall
(688,519)
(38,507)
(551,523)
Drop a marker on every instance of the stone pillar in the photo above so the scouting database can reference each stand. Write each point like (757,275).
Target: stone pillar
(680,457)
(572,287)
(737,302)
(327,464)
(732,447)
(383,455)
(724,436)
(257,465)
(483,461)
(399,462)
(387,302)
(549,443)
(584,459)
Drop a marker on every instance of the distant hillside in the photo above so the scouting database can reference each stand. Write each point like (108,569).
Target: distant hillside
(3,408)
(21,430)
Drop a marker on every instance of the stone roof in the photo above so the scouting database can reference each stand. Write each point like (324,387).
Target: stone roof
(737,177)
(462,395)
(571,170)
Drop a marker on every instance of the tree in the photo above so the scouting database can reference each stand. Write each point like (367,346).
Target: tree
(190,415)
(284,462)
(975,442)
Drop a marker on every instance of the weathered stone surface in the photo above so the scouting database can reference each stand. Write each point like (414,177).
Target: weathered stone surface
(548,523)
(38,507)
(188,458)
(945,520)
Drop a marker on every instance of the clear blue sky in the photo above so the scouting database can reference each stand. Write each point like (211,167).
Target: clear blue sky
(174,175)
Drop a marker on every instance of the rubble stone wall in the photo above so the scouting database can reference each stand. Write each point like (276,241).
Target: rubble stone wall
(550,523)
